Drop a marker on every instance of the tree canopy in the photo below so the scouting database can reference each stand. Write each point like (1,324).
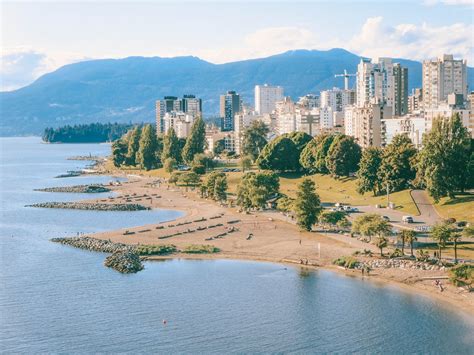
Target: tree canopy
(255,189)
(444,161)
(279,155)
(171,146)
(146,155)
(254,138)
(397,169)
(343,156)
(368,173)
(196,141)
(307,205)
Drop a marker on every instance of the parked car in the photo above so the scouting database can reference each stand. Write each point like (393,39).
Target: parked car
(386,218)
(407,219)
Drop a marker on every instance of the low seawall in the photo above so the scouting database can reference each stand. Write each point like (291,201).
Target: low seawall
(92,206)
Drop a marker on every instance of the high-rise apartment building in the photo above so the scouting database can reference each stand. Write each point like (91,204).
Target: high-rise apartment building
(266,97)
(337,99)
(230,104)
(168,104)
(192,105)
(400,92)
(364,123)
(309,101)
(415,100)
(441,77)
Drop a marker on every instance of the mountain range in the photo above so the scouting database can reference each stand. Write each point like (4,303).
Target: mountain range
(125,90)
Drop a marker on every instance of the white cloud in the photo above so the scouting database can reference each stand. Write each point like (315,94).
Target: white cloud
(22,65)
(265,42)
(411,41)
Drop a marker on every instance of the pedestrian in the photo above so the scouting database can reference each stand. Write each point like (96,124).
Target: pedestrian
(300,241)
(363,271)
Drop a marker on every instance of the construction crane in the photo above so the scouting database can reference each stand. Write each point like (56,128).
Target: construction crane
(346,78)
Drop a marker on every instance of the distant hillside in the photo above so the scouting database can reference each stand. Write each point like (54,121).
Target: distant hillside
(125,90)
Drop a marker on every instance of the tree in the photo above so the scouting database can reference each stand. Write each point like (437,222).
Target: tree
(313,155)
(245,162)
(300,139)
(444,162)
(119,152)
(307,205)
(455,238)
(343,156)
(255,189)
(196,141)
(254,139)
(201,163)
(279,155)
(442,233)
(170,165)
(367,175)
(171,147)
(397,166)
(381,242)
(370,225)
(216,185)
(333,218)
(219,147)
(146,156)
(186,178)
(133,146)
(407,236)
(410,238)
(220,188)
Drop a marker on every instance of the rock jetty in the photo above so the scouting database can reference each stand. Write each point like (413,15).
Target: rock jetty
(402,264)
(69,174)
(92,206)
(93,244)
(87,189)
(124,258)
(126,262)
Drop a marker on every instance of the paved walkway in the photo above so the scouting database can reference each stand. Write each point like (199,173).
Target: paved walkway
(426,208)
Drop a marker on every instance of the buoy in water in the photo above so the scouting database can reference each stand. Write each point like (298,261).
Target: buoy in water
(164,321)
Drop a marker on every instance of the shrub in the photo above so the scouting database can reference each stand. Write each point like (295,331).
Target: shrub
(396,254)
(201,249)
(347,262)
(155,249)
(462,275)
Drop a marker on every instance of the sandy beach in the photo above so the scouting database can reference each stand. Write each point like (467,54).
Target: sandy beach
(274,238)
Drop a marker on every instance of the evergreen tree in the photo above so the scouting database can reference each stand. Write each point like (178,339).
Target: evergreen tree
(196,141)
(254,139)
(146,156)
(368,173)
(279,155)
(307,205)
(133,146)
(169,165)
(444,165)
(397,169)
(343,156)
(171,148)
(220,188)
(119,152)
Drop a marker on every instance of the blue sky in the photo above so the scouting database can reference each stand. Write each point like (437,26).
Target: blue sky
(38,37)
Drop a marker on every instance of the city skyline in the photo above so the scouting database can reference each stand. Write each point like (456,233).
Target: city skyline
(33,45)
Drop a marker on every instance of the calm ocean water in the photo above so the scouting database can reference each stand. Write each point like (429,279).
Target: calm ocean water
(59,299)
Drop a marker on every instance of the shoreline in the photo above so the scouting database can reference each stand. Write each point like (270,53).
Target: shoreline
(275,241)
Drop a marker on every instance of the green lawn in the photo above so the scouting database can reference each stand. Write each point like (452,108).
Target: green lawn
(331,191)
(461,207)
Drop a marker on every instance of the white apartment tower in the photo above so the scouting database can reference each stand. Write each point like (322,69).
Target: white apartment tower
(337,99)
(441,77)
(266,97)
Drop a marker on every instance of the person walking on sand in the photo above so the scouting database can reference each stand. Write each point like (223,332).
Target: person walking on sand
(300,241)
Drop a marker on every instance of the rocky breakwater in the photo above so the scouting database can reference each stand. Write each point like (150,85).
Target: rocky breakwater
(126,262)
(124,257)
(88,189)
(402,264)
(92,206)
